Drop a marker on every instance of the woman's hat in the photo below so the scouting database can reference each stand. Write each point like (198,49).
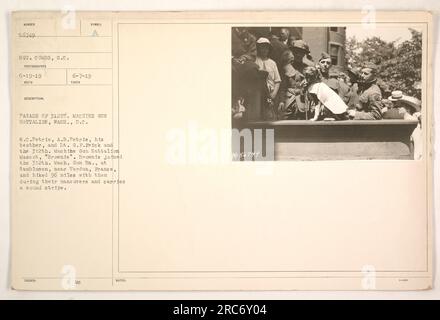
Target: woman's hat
(396,95)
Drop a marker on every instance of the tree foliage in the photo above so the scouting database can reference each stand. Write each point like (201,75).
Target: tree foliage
(399,64)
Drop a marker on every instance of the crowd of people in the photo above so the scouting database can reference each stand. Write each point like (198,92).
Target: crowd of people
(278,74)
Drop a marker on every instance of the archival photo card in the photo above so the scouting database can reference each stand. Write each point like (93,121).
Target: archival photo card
(221,151)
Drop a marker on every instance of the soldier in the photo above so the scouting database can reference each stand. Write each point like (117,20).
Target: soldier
(300,50)
(370,104)
(324,65)
(330,77)
(293,105)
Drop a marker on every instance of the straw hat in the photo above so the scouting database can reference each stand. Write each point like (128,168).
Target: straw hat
(396,95)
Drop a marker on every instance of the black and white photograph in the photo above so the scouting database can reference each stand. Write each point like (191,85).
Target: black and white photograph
(327,93)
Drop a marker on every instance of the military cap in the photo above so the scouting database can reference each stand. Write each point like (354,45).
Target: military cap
(324,55)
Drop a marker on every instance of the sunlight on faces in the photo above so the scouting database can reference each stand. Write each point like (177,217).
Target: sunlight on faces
(325,64)
(367,75)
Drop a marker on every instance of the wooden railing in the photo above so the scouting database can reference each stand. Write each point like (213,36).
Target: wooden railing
(340,140)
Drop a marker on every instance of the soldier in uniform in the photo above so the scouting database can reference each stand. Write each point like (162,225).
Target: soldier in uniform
(292,105)
(300,50)
(323,66)
(330,77)
(370,104)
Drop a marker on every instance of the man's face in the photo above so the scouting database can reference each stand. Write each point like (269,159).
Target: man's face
(298,54)
(284,34)
(325,64)
(367,75)
(263,51)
